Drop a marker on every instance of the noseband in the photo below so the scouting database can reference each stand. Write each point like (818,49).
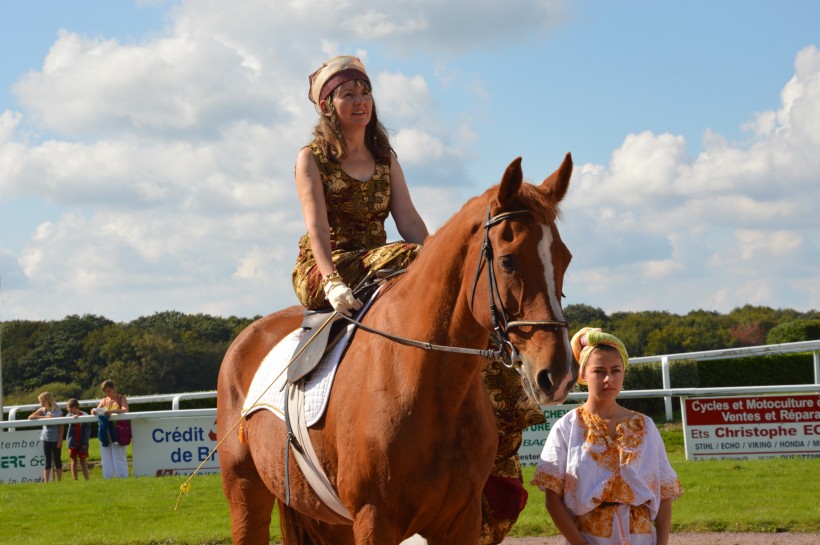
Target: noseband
(509,354)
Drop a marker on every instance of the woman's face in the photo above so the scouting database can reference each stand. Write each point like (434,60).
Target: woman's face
(353,104)
(604,373)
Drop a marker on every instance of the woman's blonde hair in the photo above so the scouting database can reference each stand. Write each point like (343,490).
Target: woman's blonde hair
(47,400)
(328,134)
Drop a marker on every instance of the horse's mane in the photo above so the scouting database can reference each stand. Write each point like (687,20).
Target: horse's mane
(538,201)
(470,218)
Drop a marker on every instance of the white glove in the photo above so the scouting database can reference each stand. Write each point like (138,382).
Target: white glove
(341,297)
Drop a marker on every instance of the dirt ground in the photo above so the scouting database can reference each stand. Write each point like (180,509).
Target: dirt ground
(698,539)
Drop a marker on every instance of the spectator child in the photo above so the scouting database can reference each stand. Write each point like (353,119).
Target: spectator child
(78,438)
(51,436)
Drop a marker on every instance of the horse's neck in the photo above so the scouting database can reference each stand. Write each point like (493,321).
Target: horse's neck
(431,304)
(432,301)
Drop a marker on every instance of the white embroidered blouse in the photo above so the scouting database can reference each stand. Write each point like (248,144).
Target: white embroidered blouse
(613,487)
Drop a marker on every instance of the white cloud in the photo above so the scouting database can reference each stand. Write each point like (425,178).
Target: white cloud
(753,244)
(745,213)
(170,161)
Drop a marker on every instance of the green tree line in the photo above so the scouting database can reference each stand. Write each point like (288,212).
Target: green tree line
(167,352)
(171,352)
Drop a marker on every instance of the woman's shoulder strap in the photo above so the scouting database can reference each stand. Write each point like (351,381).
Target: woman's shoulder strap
(318,153)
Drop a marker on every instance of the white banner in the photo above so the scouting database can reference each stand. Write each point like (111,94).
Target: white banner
(744,427)
(536,436)
(174,446)
(21,457)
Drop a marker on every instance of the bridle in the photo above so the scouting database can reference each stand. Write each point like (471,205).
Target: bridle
(510,356)
(507,353)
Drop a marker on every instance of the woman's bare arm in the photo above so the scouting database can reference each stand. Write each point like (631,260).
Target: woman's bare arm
(314,211)
(408,221)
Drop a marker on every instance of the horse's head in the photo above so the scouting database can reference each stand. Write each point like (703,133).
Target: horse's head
(517,288)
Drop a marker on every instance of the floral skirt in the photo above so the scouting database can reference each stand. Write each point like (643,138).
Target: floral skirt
(504,494)
(353,267)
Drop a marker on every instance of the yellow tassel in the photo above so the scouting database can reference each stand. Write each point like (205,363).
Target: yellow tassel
(184,488)
(241,432)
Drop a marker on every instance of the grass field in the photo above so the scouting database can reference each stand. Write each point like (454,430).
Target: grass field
(721,495)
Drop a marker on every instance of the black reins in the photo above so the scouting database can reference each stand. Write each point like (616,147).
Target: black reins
(507,354)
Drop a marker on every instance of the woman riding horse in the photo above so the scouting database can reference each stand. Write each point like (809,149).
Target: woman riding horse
(408,437)
(348,180)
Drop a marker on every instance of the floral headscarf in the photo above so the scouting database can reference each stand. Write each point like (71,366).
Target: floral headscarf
(585,341)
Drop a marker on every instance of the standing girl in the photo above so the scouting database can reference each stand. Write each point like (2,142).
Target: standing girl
(51,436)
(112,454)
(604,468)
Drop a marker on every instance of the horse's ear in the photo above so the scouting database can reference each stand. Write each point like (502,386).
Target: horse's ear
(510,183)
(558,182)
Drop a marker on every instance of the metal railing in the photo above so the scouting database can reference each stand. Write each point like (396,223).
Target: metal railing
(175,400)
(63,420)
(726,353)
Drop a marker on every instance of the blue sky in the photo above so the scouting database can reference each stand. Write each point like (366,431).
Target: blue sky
(146,148)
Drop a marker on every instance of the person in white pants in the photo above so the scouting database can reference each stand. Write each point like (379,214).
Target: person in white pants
(114,461)
(112,454)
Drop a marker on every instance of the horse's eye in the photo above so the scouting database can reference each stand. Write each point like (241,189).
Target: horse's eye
(507,263)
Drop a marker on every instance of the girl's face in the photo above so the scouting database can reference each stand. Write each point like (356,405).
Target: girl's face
(604,373)
(353,104)
(109,392)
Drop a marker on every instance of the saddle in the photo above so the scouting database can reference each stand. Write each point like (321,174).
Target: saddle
(324,328)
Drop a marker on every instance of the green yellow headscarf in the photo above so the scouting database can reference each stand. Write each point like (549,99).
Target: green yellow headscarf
(585,341)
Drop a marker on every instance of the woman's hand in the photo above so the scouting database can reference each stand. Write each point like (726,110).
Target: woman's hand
(340,296)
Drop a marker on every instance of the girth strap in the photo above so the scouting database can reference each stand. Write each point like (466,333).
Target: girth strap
(306,457)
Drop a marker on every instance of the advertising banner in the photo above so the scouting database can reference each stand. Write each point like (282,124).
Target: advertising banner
(536,436)
(21,457)
(174,446)
(745,427)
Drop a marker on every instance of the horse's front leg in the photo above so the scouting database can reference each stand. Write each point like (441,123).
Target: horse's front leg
(464,528)
(369,528)
(249,500)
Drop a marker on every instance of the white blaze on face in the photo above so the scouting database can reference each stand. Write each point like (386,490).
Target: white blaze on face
(545,252)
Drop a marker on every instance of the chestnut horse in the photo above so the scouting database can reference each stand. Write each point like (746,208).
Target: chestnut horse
(409,436)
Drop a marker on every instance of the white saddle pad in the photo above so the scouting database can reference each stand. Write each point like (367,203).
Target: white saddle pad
(268,390)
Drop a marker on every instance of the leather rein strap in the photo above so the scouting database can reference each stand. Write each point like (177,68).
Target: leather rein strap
(506,354)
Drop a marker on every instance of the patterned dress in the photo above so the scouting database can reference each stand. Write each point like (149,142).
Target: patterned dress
(504,494)
(356,212)
(613,487)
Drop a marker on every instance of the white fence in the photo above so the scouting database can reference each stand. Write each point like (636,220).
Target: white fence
(175,441)
(745,352)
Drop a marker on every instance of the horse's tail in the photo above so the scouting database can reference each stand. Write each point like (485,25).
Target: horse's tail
(298,529)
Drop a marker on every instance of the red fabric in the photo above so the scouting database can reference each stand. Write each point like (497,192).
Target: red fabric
(506,496)
(78,452)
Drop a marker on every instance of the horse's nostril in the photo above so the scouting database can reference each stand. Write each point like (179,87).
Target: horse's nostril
(544,381)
